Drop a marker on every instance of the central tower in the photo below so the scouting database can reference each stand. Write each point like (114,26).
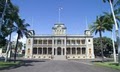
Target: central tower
(59,29)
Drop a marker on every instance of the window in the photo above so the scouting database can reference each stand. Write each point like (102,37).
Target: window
(44,41)
(68,50)
(44,50)
(68,41)
(73,41)
(78,50)
(83,41)
(39,50)
(89,40)
(73,51)
(54,41)
(28,51)
(58,41)
(34,50)
(35,42)
(78,41)
(29,41)
(90,51)
(49,50)
(40,41)
(49,41)
(83,50)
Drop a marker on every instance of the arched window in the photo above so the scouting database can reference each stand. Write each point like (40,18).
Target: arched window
(68,51)
(73,51)
(89,50)
(35,42)
(29,41)
(39,50)
(83,41)
(50,50)
(83,50)
(44,50)
(34,50)
(40,41)
(28,51)
(78,50)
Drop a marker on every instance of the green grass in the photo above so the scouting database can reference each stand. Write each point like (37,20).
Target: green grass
(8,64)
(109,64)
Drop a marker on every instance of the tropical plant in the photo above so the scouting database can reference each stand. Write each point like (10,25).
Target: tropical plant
(114,4)
(107,46)
(10,16)
(99,26)
(111,20)
(21,30)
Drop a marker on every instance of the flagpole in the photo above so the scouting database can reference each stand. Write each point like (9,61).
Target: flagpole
(59,15)
(86,23)
(59,11)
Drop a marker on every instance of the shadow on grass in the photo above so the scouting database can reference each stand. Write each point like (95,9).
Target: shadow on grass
(105,60)
(21,63)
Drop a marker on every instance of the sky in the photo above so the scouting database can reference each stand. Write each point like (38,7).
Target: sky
(43,14)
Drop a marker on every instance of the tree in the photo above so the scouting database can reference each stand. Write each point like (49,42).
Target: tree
(21,30)
(100,25)
(111,2)
(4,3)
(10,16)
(109,16)
(107,46)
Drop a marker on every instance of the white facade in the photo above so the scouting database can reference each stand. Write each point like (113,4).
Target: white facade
(59,45)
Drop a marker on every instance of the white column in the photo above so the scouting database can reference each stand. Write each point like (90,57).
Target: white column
(53,46)
(75,41)
(47,50)
(61,42)
(37,50)
(47,41)
(55,51)
(70,42)
(65,46)
(81,50)
(76,50)
(42,41)
(42,50)
(56,41)
(71,51)
(61,51)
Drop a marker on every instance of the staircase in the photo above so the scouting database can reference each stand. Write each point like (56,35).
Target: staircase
(59,57)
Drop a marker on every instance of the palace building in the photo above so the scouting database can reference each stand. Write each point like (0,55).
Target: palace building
(59,45)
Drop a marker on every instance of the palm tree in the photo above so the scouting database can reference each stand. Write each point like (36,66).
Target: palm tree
(3,14)
(10,17)
(110,18)
(111,2)
(21,30)
(100,25)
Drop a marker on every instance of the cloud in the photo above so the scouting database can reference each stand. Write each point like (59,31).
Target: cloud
(14,38)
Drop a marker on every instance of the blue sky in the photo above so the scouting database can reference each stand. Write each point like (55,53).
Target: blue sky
(43,14)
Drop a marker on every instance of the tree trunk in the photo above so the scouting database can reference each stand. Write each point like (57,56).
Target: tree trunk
(117,32)
(114,51)
(16,48)
(101,46)
(8,48)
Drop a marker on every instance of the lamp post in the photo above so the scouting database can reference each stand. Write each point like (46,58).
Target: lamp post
(2,17)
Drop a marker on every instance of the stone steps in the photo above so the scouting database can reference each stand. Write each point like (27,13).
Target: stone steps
(59,57)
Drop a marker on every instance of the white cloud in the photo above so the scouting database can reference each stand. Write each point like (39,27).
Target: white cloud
(23,40)
(14,38)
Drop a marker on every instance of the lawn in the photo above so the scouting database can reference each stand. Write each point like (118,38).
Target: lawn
(8,64)
(109,64)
